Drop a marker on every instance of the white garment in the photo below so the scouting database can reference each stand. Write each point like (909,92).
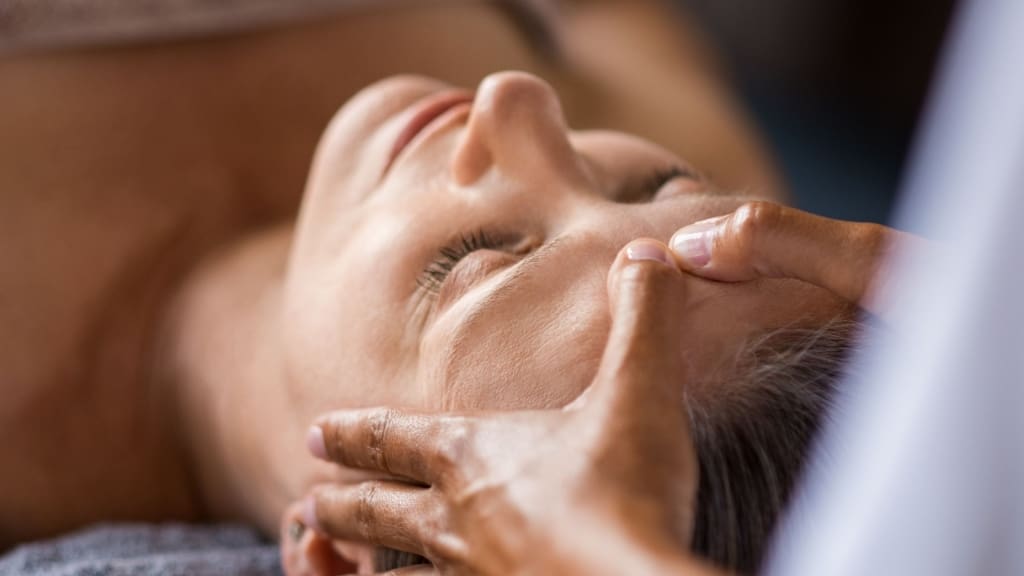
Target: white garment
(925,465)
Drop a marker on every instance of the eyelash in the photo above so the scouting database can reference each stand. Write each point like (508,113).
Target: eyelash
(437,271)
(648,187)
(448,258)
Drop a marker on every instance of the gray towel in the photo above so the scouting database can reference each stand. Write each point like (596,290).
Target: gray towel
(147,550)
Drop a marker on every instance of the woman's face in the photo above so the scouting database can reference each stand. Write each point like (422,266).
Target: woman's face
(452,252)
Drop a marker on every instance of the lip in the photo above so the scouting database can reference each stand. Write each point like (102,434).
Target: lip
(422,114)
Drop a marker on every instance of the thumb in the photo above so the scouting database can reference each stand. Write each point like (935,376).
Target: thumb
(636,417)
(643,363)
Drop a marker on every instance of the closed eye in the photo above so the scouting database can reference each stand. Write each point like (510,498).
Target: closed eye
(434,275)
(646,187)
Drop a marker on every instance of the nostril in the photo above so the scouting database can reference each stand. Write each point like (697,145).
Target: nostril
(516,125)
(472,157)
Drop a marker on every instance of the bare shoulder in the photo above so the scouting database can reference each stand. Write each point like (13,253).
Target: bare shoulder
(120,168)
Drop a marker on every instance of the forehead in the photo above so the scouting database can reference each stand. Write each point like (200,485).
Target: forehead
(538,346)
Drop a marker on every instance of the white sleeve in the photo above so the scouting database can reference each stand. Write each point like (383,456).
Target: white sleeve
(922,470)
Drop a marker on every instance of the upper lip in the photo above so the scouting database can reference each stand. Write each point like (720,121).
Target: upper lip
(422,114)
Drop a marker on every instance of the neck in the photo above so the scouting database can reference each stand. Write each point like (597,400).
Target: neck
(242,437)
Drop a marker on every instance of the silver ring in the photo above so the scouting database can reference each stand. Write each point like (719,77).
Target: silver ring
(296,529)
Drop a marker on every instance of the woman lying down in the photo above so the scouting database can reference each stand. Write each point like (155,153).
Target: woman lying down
(611,484)
(457,252)
(453,253)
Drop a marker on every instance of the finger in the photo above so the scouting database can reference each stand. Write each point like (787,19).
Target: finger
(304,552)
(643,365)
(637,410)
(398,443)
(381,513)
(292,533)
(762,239)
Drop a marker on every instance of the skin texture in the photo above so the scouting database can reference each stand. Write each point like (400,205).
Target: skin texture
(522,492)
(165,344)
(333,313)
(767,240)
(566,203)
(572,460)
(124,171)
(562,203)
(148,194)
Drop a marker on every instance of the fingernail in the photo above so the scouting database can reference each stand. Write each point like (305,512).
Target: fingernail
(692,243)
(648,251)
(309,514)
(315,442)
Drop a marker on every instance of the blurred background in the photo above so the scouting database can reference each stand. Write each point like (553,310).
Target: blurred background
(837,87)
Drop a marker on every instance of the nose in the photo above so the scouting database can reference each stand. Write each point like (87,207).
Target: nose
(517,127)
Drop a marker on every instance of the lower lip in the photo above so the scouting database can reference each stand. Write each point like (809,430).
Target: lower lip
(424,113)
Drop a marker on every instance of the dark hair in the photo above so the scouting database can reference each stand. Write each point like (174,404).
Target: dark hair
(752,441)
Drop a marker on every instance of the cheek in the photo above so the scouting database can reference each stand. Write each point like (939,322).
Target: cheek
(340,344)
(312,338)
(530,357)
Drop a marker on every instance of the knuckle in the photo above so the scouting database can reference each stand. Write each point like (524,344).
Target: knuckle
(378,424)
(873,236)
(456,446)
(749,224)
(644,289)
(366,501)
(644,277)
(434,520)
(754,218)
(448,547)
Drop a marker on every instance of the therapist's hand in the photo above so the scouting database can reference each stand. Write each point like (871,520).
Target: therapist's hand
(606,486)
(762,239)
